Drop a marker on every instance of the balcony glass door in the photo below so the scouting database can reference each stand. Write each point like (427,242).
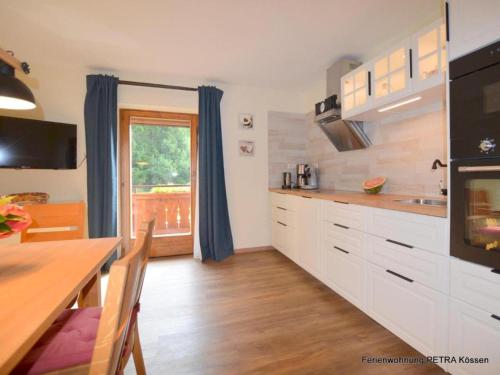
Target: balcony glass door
(158,152)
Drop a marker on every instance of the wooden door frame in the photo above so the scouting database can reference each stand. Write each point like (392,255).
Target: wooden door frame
(124,159)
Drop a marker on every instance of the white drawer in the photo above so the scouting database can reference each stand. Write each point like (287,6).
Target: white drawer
(476,285)
(284,216)
(348,215)
(425,232)
(282,239)
(473,333)
(347,239)
(282,200)
(418,265)
(415,313)
(346,274)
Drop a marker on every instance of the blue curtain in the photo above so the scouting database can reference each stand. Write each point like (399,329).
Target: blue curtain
(100,135)
(216,240)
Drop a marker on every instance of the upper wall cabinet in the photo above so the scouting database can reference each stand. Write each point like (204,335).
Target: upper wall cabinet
(391,74)
(412,68)
(355,89)
(472,25)
(428,52)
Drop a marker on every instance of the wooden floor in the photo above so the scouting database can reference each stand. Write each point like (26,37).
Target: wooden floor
(256,313)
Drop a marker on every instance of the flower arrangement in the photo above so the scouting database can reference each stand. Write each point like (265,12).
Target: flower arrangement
(13,218)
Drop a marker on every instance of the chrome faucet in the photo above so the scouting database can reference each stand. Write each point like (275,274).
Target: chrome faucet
(439,163)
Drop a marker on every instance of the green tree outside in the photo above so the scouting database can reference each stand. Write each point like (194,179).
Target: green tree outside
(160,156)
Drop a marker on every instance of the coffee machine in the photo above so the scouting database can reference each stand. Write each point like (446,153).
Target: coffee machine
(306,177)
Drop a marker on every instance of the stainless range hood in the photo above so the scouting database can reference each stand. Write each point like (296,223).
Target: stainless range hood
(345,135)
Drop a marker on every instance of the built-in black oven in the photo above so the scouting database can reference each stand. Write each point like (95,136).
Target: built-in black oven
(475,211)
(475,159)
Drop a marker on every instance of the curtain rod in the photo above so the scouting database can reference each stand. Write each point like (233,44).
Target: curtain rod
(157,85)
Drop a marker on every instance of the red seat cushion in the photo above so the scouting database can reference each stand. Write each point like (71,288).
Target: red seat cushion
(68,342)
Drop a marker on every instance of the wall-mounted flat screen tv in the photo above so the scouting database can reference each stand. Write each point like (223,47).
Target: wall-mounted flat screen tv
(34,144)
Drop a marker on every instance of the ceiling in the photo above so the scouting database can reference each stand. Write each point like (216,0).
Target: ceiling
(266,43)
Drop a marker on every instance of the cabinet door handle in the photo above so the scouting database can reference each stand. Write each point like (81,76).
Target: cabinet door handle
(497,271)
(369,83)
(341,226)
(400,276)
(447,20)
(400,244)
(281,208)
(495,316)
(339,249)
(280,223)
(411,63)
(304,196)
(341,202)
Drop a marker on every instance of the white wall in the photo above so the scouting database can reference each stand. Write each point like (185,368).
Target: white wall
(60,95)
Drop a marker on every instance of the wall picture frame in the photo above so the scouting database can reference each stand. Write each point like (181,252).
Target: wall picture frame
(246,148)
(246,121)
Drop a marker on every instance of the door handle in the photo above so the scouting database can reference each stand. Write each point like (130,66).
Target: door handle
(304,196)
(495,316)
(400,244)
(341,202)
(400,276)
(339,249)
(280,223)
(341,226)
(481,168)
(281,208)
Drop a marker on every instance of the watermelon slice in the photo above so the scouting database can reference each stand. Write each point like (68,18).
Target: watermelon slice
(373,185)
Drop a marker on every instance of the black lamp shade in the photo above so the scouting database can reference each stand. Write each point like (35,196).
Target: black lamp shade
(14,94)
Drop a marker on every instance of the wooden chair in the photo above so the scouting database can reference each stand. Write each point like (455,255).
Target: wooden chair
(54,222)
(53,354)
(132,343)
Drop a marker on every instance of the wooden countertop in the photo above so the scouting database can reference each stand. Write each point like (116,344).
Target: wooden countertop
(387,201)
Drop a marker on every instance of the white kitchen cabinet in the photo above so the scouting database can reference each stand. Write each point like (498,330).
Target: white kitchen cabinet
(421,266)
(283,224)
(476,285)
(345,273)
(473,333)
(425,232)
(344,214)
(472,25)
(415,313)
(355,91)
(428,52)
(391,74)
(308,237)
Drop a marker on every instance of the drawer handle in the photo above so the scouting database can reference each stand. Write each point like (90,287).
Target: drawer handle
(279,222)
(340,226)
(341,202)
(497,271)
(400,244)
(495,316)
(400,276)
(339,249)
(281,208)
(303,196)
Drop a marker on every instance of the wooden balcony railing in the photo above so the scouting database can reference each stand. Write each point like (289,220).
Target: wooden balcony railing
(172,211)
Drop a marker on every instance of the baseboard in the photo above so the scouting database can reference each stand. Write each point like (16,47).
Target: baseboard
(253,249)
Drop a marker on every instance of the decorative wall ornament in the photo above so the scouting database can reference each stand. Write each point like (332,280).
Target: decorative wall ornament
(247,148)
(246,121)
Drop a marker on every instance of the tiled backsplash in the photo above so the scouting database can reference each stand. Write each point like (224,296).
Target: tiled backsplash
(402,151)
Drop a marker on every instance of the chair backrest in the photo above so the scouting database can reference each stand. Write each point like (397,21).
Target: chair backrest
(55,222)
(123,287)
(148,227)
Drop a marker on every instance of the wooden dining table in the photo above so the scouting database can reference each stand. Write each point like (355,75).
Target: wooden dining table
(37,282)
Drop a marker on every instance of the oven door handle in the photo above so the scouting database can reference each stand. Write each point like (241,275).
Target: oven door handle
(480,168)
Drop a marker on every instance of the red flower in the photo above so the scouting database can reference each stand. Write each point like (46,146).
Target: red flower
(13,219)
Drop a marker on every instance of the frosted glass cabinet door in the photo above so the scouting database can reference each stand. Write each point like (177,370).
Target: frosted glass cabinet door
(354,91)
(429,56)
(391,74)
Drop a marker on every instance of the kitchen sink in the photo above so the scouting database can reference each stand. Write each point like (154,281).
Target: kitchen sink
(423,202)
